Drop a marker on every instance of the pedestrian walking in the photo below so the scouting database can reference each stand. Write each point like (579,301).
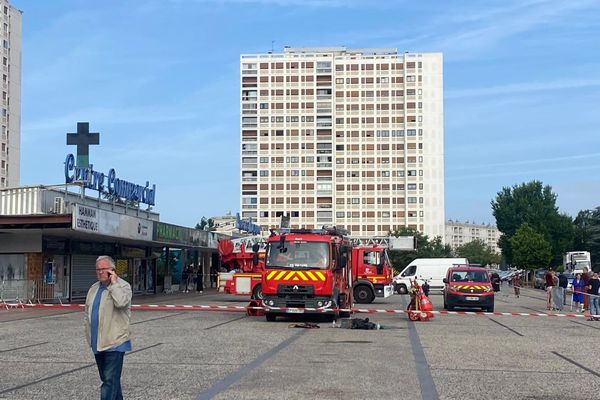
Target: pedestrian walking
(578,288)
(563,283)
(516,282)
(107,315)
(549,278)
(585,277)
(495,280)
(593,289)
(199,280)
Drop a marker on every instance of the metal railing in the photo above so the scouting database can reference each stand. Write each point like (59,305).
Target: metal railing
(17,292)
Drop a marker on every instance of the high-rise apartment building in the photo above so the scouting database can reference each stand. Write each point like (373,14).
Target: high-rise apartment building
(460,233)
(345,137)
(10,103)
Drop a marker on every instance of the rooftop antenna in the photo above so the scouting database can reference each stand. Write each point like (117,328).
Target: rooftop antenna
(272,45)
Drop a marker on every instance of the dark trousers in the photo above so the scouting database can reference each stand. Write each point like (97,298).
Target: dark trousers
(110,365)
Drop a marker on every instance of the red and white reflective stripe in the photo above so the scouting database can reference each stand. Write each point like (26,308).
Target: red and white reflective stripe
(292,310)
(513,314)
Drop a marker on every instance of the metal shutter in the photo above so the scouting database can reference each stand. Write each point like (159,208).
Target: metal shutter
(83,274)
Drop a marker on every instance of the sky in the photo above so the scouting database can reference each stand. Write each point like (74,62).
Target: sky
(159,79)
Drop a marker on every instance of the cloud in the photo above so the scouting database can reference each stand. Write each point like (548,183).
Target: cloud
(292,3)
(491,28)
(106,115)
(526,162)
(520,172)
(520,88)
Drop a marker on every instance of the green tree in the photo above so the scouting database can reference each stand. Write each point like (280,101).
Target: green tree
(478,252)
(426,248)
(584,225)
(534,204)
(587,234)
(206,224)
(530,249)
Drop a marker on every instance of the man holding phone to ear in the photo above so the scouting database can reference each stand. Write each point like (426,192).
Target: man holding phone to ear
(107,314)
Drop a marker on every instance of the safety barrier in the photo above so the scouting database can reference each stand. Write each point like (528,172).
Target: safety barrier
(20,291)
(245,309)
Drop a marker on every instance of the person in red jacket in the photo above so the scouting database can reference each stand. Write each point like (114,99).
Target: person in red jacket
(549,277)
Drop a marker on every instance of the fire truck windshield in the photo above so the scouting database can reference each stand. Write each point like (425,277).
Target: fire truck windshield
(298,255)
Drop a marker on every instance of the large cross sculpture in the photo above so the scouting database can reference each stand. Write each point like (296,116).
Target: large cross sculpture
(83,139)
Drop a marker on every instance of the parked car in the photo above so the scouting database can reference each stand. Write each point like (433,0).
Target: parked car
(539,280)
(466,286)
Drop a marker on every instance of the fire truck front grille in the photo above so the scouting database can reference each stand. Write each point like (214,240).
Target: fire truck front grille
(295,290)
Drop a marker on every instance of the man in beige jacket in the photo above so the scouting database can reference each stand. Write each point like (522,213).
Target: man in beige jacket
(107,313)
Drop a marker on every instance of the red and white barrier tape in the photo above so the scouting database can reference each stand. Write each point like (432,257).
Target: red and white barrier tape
(290,310)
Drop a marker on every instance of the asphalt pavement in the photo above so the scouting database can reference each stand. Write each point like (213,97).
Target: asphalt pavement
(228,355)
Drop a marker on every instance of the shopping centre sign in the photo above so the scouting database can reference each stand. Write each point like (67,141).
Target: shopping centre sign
(108,184)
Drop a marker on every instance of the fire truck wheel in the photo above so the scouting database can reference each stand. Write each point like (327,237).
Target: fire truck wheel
(363,294)
(270,317)
(257,293)
(401,289)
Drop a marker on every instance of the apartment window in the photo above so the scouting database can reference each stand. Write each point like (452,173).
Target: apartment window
(339,81)
(411,78)
(411,132)
(412,172)
(294,172)
(264,160)
(264,214)
(400,173)
(412,186)
(420,172)
(385,174)
(264,120)
(339,214)
(412,200)
(355,200)
(264,106)
(5,44)
(264,173)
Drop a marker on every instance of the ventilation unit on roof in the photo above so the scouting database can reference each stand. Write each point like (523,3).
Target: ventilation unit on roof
(59,205)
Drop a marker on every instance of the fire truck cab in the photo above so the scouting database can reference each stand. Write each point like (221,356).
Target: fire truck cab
(248,264)
(307,271)
(372,273)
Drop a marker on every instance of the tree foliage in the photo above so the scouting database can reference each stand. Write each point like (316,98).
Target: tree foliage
(530,249)
(587,234)
(478,252)
(534,204)
(426,248)
(206,224)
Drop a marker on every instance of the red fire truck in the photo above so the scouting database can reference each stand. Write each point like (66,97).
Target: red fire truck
(372,273)
(307,271)
(249,265)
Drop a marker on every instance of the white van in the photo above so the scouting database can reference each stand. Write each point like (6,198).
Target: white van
(433,270)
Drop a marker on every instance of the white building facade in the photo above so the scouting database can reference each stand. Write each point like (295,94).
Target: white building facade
(459,233)
(10,108)
(346,137)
